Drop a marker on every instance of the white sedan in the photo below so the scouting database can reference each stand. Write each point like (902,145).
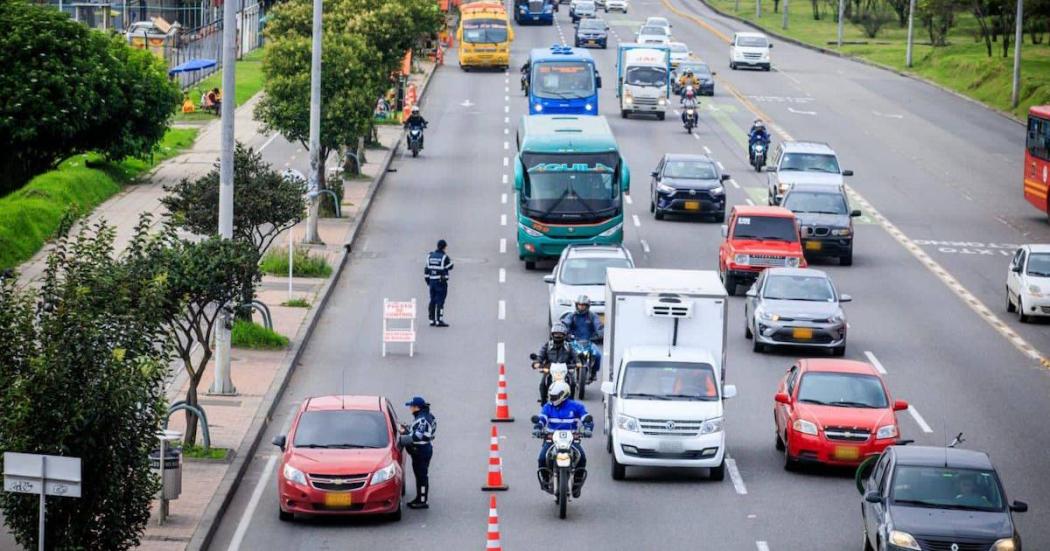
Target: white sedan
(611,5)
(581,271)
(679,53)
(1028,282)
(659,22)
(652,34)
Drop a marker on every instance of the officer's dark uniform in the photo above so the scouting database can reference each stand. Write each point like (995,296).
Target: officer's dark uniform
(435,272)
(422,431)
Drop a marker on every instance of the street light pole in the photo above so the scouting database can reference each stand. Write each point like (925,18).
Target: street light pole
(316,166)
(758,9)
(784,23)
(911,27)
(842,12)
(223,383)
(1018,40)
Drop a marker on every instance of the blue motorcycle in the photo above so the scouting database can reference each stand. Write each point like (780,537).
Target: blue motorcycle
(587,354)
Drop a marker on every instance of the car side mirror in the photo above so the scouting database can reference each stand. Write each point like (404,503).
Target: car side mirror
(549,279)
(1019,507)
(847,173)
(725,230)
(597,81)
(845,298)
(900,405)
(608,388)
(873,497)
(855,213)
(1016,269)
(728,391)
(771,169)
(655,174)
(535,419)
(770,44)
(782,398)
(280,440)
(726,177)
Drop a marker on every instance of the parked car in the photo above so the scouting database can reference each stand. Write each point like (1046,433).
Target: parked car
(592,32)
(688,184)
(826,221)
(341,457)
(933,498)
(757,238)
(833,412)
(795,307)
(581,271)
(802,163)
(1028,282)
(748,49)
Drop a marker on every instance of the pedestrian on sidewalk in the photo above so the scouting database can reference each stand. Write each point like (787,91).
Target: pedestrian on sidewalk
(435,273)
(422,430)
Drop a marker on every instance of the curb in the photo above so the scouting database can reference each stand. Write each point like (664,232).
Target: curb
(220,502)
(1008,116)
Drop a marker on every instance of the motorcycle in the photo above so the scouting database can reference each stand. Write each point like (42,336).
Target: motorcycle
(585,368)
(689,119)
(562,460)
(758,156)
(415,139)
(551,373)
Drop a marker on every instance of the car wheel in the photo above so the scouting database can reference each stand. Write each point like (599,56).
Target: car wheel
(608,443)
(757,346)
(396,515)
(867,542)
(530,264)
(284,516)
(1009,303)
(780,441)
(652,209)
(839,351)
(732,66)
(624,113)
(619,470)
(718,473)
(730,284)
(846,259)
(661,116)
(747,327)
(1021,316)
(790,463)
(658,215)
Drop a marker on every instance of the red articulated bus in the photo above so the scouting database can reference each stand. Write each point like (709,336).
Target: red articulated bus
(1037,158)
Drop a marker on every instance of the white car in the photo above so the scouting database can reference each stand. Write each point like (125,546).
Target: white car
(653,34)
(749,50)
(679,53)
(659,22)
(1028,282)
(581,271)
(619,5)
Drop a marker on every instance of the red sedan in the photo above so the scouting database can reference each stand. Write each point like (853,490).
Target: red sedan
(835,412)
(341,457)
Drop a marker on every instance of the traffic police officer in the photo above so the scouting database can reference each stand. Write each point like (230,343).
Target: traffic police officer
(435,273)
(421,449)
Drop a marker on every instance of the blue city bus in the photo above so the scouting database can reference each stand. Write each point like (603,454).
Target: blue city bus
(563,81)
(534,11)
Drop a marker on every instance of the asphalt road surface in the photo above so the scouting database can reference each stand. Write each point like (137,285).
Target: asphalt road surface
(942,182)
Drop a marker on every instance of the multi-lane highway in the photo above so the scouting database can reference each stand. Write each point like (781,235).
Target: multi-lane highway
(939,179)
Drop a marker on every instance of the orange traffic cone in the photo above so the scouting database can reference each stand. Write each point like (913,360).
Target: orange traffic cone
(502,409)
(493,543)
(495,480)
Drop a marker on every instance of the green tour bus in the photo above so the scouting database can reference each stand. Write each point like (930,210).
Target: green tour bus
(570,180)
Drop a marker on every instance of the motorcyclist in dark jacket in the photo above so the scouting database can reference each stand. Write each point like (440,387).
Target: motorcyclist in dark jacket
(757,134)
(555,351)
(415,120)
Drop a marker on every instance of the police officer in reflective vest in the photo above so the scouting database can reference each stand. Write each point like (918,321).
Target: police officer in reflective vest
(435,272)
(421,434)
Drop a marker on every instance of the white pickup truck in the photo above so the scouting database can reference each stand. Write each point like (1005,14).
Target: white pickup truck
(664,354)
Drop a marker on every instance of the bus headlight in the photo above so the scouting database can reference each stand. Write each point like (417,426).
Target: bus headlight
(611,231)
(588,107)
(529,231)
(539,107)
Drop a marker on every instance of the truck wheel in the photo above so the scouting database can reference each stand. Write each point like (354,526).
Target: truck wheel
(530,264)
(619,471)
(718,473)
(624,113)
(661,116)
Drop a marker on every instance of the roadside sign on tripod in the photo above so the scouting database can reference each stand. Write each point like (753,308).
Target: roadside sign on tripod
(399,310)
(44,475)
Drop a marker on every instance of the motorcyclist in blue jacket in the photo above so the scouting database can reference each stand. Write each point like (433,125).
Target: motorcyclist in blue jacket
(586,326)
(757,134)
(562,413)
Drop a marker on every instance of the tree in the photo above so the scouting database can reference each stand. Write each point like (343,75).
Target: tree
(70,89)
(83,361)
(938,16)
(872,16)
(203,278)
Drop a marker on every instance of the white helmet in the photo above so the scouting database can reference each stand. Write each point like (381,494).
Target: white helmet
(415,109)
(558,392)
(559,372)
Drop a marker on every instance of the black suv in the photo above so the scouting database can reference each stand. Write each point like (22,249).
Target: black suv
(592,32)
(925,498)
(826,220)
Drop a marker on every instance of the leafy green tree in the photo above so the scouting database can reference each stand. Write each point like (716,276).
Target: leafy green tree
(82,362)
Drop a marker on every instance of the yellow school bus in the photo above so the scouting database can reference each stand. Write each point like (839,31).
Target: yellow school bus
(484,35)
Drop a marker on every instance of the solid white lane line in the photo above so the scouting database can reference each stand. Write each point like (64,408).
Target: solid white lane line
(736,185)
(707,150)
(503,245)
(503,198)
(918,419)
(264,146)
(628,199)
(500,353)
(734,475)
(750,202)
(762,546)
(875,362)
(253,503)
(502,275)
(645,246)
(637,222)
(502,309)
(503,219)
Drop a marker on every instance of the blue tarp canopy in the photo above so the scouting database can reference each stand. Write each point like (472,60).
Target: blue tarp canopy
(192,65)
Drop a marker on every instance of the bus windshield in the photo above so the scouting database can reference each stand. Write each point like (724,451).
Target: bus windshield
(563,80)
(484,31)
(570,185)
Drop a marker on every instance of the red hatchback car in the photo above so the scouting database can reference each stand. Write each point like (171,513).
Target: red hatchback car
(341,457)
(835,412)
(756,238)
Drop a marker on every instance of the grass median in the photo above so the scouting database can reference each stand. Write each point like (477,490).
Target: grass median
(963,65)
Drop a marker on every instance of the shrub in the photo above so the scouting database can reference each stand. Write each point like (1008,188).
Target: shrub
(304,264)
(248,334)
(296,303)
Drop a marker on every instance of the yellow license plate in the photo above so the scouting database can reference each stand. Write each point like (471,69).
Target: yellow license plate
(802,333)
(337,500)
(847,453)
(692,205)
(601,317)
(592,42)
(813,245)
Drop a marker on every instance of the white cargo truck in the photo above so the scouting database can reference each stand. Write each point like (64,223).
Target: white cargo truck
(643,79)
(664,360)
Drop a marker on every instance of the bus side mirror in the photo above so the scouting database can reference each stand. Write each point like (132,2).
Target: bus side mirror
(597,80)
(625,177)
(519,175)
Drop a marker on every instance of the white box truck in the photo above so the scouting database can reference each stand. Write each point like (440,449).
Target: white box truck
(643,73)
(664,356)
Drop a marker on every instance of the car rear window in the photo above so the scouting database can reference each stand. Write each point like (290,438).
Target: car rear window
(765,228)
(815,202)
(342,429)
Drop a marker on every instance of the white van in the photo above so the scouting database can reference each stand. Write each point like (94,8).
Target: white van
(749,50)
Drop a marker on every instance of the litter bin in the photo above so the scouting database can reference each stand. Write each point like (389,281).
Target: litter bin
(172,472)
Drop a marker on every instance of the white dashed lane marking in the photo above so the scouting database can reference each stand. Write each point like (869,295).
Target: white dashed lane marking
(875,362)
(502,310)
(919,420)
(637,222)
(503,245)
(734,475)
(502,275)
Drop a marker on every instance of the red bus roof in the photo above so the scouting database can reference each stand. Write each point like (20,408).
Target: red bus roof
(1041,111)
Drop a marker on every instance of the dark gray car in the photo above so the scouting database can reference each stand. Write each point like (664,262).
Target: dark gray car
(688,184)
(826,220)
(795,307)
(592,32)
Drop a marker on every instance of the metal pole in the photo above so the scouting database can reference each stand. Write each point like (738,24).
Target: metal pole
(223,383)
(162,513)
(1018,40)
(842,11)
(758,9)
(43,501)
(291,260)
(315,130)
(784,23)
(911,27)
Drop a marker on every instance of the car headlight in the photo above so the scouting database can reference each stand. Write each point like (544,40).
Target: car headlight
(842,231)
(611,231)
(664,188)
(887,431)
(1005,544)
(783,188)
(1035,290)
(291,474)
(805,427)
(768,316)
(384,474)
(628,423)
(711,426)
(565,302)
(539,107)
(741,259)
(717,190)
(792,262)
(837,318)
(903,540)
(529,231)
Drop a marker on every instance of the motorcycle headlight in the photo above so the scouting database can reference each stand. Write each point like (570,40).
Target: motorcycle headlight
(384,474)
(611,231)
(792,262)
(842,231)
(291,474)
(628,423)
(759,148)
(711,426)
(741,259)
(887,431)
(529,231)
(903,540)
(1005,544)
(805,427)
(717,190)
(588,107)
(539,107)
(664,188)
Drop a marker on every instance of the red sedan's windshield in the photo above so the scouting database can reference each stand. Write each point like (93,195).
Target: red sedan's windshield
(342,429)
(842,390)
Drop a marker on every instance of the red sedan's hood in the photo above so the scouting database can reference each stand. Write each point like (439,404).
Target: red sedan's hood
(830,416)
(339,462)
(782,248)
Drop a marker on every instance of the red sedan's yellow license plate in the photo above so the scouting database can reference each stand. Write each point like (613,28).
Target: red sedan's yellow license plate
(847,453)
(802,333)
(337,500)
(692,205)
(813,245)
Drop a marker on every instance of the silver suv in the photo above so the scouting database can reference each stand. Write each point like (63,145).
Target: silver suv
(802,163)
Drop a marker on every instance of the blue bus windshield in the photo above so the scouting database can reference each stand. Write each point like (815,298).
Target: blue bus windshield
(563,80)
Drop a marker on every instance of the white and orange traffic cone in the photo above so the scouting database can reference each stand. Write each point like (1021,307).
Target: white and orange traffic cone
(502,409)
(495,476)
(493,543)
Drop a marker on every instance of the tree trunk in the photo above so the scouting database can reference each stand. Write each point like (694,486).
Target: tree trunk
(776,5)
(190,437)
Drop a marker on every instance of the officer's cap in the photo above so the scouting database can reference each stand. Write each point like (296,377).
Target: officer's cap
(417,401)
